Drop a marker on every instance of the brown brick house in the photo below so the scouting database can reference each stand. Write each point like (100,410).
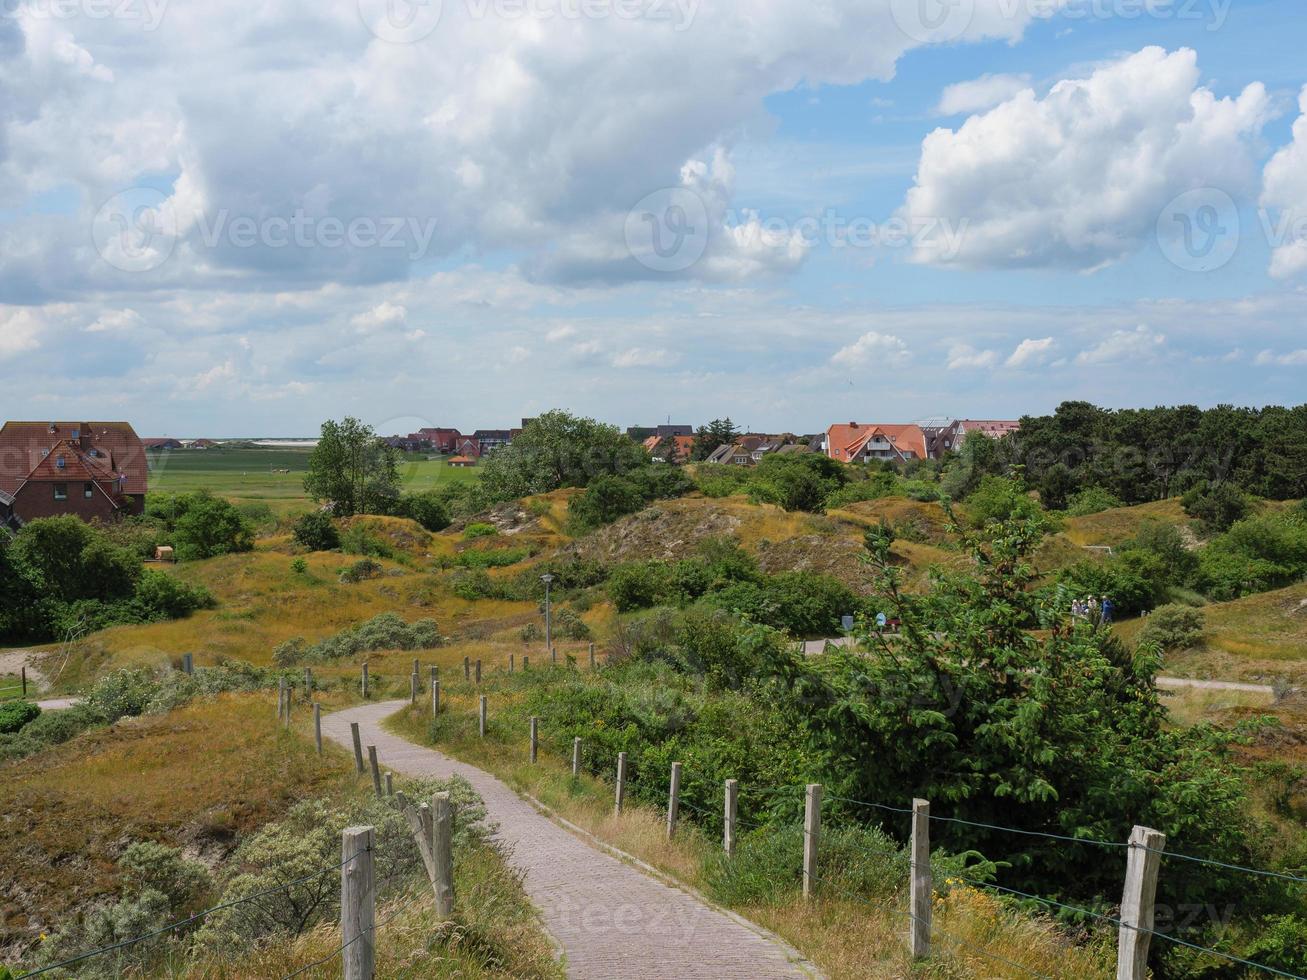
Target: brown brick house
(90,469)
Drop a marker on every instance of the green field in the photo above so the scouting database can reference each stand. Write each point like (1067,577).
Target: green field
(256,474)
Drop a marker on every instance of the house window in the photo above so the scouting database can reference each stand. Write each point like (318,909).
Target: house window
(61,491)
(59,463)
(88,490)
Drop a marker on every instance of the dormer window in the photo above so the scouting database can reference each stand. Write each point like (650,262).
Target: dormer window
(60,463)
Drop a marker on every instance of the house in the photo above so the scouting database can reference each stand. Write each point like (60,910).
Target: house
(467,446)
(682,447)
(462,462)
(639,433)
(161,445)
(488,440)
(89,469)
(443,441)
(201,444)
(945,435)
(860,442)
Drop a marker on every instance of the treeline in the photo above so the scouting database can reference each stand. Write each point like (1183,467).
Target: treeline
(1147,454)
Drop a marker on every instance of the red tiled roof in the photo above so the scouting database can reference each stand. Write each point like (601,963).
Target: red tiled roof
(23,447)
(846,441)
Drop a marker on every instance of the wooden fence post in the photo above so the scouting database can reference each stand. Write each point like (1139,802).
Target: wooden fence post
(576,757)
(365,679)
(288,695)
(435,676)
(535,739)
(811,836)
(281,698)
(478,670)
(435,698)
(442,852)
(413,684)
(592,656)
(24,672)
(376,771)
(188,664)
(417,666)
(732,799)
(358,746)
(511,658)
(1138,903)
(481,716)
(308,683)
(673,799)
(621,781)
(390,784)
(317,726)
(467,668)
(553,655)
(526,662)
(922,887)
(358,904)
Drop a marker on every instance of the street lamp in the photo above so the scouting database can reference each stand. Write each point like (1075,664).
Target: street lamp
(549,624)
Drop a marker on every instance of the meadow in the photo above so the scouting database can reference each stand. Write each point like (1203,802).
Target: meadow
(273,475)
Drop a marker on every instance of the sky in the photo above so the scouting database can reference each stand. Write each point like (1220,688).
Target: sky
(230,219)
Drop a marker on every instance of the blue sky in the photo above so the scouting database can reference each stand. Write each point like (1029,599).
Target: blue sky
(219,219)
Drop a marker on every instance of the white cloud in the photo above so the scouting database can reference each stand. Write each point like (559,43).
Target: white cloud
(1284,191)
(964,356)
(560,333)
(1079,178)
(645,357)
(1295,358)
(980,93)
(517,354)
(1031,352)
(19,331)
(1139,343)
(873,349)
(114,321)
(383,314)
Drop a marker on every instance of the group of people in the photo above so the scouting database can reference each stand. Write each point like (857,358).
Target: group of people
(1093,608)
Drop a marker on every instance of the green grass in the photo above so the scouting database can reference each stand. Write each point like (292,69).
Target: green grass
(253,474)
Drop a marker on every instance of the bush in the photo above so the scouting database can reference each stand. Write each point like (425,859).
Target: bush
(491,558)
(1133,580)
(1255,555)
(479,529)
(1216,506)
(317,532)
(427,508)
(162,596)
(15,714)
(1000,499)
(299,566)
(569,625)
(1173,627)
(639,585)
(387,631)
(1091,500)
(359,539)
(207,526)
(164,869)
(361,570)
(49,728)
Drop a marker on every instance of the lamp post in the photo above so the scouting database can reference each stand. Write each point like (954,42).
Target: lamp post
(549,623)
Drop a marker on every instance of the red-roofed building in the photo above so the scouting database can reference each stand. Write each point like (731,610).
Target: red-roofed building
(681,447)
(859,442)
(89,469)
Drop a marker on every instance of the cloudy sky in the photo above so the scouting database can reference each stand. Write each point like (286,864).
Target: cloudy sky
(232,219)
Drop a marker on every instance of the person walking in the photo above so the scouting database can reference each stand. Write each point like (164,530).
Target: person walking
(1107,610)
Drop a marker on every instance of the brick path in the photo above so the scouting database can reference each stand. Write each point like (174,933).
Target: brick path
(613,921)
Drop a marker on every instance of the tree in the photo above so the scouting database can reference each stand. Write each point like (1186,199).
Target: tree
(353,470)
(72,561)
(317,532)
(210,526)
(557,450)
(709,438)
(1216,507)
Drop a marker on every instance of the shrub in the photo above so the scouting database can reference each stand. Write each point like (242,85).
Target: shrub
(639,584)
(15,714)
(148,865)
(479,529)
(359,539)
(208,526)
(1216,506)
(317,532)
(1133,580)
(490,558)
(299,566)
(1000,499)
(387,631)
(361,570)
(569,625)
(49,728)
(1257,554)
(1173,627)
(1091,500)
(427,508)
(1281,944)
(162,596)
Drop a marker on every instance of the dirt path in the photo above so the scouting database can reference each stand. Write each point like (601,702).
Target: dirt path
(611,919)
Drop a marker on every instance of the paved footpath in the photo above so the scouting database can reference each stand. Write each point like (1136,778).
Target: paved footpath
(613,921)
